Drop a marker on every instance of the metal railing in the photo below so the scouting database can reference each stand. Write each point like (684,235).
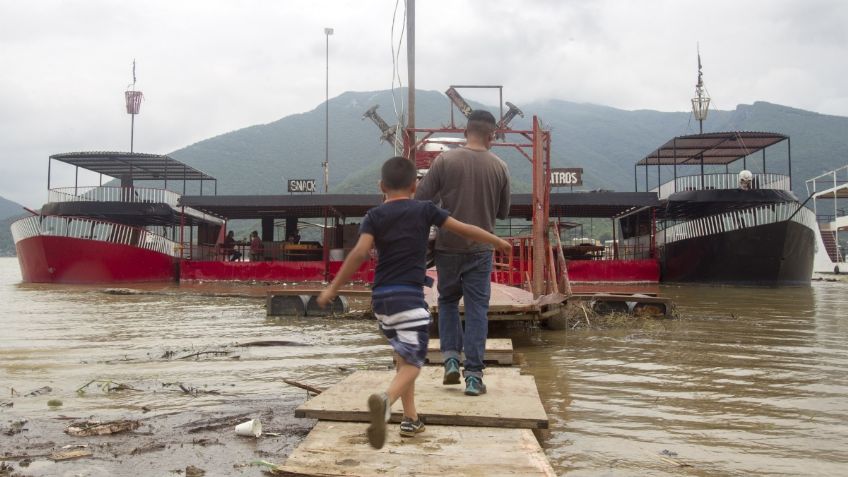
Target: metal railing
(737,220)
(829,180)
(720,181)
(89,229)
(114,194)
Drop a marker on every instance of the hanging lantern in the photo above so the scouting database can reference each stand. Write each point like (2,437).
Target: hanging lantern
(133,99)
(700,107)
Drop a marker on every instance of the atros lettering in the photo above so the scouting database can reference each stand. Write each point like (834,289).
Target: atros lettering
(567,177)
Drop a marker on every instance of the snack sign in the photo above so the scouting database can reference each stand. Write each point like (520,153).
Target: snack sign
(301,185)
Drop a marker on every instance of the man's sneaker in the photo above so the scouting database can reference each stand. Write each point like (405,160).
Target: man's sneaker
(378,412)
(408,427)
(451,371)
(474,386)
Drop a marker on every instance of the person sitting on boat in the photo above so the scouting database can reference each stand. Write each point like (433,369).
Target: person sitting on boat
(255,247)
(400,228)
(746,180)
(229,247)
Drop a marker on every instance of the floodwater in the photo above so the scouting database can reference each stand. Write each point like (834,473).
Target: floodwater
(750,382)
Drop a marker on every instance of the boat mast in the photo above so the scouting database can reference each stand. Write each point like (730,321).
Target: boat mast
(133,102)
(701,102)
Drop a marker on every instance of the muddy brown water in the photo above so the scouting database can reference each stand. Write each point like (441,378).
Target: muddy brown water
(751,381)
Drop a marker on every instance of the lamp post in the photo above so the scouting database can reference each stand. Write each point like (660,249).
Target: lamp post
(327,33)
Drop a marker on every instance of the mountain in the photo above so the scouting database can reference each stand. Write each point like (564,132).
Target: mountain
(9,208)
(605,141)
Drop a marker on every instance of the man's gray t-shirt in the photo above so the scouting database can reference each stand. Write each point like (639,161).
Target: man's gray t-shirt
(474,187)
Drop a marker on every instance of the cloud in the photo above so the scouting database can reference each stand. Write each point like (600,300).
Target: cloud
(208,67)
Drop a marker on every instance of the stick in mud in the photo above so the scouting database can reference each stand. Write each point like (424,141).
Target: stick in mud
(201,353)
(307,387)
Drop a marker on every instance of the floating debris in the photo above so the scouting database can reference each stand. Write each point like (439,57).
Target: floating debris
(54,403)
(192,471)
(71,454)
(107,386)
(40,391)
(98,428)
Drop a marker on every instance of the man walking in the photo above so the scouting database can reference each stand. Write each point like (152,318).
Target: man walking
(473,184)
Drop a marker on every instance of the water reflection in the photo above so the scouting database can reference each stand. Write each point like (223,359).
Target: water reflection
(753,382)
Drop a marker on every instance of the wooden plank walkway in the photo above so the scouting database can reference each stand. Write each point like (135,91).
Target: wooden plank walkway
(341,449)
(497,351)
(512,400)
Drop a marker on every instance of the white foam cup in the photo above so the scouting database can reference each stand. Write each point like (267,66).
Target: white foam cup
(250,428)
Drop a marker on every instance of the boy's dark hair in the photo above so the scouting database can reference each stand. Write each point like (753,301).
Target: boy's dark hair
(481,123)
(398,173)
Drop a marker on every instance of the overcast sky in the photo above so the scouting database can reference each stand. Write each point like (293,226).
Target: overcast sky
(207,66)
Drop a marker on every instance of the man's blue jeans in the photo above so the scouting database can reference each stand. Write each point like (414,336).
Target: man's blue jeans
(465,275)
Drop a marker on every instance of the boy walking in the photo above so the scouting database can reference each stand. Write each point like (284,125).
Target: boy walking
(400,228)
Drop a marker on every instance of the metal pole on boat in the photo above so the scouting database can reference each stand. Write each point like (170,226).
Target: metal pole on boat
(635,177)
(764,161)
(133,103)
(789,156)
(674,159)
(49,163)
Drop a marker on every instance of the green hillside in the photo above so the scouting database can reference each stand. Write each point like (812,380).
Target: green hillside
(605,141)
(9,208)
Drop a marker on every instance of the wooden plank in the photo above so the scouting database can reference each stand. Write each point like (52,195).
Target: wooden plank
(497,350)
(341,449)
(512,400)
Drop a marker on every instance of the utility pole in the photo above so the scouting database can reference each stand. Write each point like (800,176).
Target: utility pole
(327,33)
(409,140)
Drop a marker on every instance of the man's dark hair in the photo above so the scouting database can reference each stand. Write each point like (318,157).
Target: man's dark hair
(398,173)
(481,123)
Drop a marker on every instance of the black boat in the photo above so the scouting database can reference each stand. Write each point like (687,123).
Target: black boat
(724,227)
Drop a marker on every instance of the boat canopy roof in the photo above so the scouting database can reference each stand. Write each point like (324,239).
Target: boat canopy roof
(576,204)
(717,148)
(133,165)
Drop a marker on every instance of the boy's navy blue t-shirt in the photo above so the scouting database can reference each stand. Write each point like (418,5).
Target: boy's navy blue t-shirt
(401,229)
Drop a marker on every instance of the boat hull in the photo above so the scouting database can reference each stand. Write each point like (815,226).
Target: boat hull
(773,254)
(54,259)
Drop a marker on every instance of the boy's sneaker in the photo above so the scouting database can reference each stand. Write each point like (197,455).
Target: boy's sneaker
(474,386)
(379,413)
(451,371)
(408,427)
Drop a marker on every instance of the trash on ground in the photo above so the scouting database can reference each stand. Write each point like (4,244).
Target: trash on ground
(249,428)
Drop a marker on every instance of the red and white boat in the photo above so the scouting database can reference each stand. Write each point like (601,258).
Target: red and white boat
(111,234)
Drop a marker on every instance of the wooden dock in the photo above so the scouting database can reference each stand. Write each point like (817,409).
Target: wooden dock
(486,435)
(506,303)
(498,351)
